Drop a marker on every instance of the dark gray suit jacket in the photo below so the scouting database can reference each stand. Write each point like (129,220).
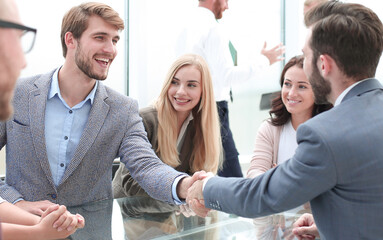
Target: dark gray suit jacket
(338,166)
(114,129)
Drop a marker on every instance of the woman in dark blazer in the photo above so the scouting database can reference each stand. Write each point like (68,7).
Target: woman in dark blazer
(182,125)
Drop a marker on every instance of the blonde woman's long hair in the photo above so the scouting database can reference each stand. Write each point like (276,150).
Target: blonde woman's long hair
(207,152)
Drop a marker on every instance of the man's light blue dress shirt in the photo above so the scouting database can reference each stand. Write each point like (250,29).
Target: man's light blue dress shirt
(63,127)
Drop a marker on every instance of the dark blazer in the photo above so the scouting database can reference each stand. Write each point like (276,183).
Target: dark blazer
(114,129)
(338,166)
(123,183)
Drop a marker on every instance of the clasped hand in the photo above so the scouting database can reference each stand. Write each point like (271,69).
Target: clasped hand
(194,195)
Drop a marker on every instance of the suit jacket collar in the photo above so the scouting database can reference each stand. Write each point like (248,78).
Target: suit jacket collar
(37,103)
(97,116)
(363,87)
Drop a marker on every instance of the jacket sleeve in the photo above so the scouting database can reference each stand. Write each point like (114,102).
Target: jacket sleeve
(290,184)
(262,159)
(155,177)
(123,183)
(6,191)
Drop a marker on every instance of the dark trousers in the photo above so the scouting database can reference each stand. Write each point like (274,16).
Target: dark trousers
(231,167)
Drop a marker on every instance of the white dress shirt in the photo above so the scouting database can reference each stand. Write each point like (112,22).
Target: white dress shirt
(204,36)
(343,94)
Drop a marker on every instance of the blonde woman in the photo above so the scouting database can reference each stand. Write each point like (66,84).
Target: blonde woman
(182,125)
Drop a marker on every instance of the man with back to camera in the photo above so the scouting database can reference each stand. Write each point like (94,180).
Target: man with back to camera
(338,163)
(204,36)
(68,127)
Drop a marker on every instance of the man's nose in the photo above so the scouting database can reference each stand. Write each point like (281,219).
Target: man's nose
(109,47)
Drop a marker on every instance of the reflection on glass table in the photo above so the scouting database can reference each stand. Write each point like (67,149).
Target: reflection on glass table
(142,217)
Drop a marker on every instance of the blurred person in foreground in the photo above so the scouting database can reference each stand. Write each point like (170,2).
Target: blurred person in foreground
(16,223)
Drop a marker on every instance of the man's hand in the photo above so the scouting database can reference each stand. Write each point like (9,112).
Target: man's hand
(305,228)
(274,54)
(36,208)
(186,182)
(195,198)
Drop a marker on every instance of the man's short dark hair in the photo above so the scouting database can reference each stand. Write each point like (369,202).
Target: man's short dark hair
(351,34)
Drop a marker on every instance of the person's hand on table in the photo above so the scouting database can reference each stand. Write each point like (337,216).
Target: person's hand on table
(66,221)
(36,208)
(55,214)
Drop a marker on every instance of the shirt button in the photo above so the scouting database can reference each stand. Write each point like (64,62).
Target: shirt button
(62,165)
(70,111)
(53,196)
(66,138)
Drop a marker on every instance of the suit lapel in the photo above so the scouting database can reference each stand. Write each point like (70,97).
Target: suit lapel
(365,86)
(37,103)
(96,119)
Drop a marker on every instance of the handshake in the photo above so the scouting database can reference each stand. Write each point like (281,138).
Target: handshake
(190,189)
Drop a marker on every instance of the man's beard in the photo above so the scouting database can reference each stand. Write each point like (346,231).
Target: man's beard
(85,65)
(217,10)
(6,108)
(320,86)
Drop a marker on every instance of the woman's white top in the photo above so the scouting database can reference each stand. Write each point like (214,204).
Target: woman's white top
(287,142)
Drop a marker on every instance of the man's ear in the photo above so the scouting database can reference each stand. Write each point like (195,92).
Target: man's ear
(70,41)
(325,64)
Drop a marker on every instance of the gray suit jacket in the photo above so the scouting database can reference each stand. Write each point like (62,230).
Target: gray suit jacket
(338,166)
(123,183)
(114,129)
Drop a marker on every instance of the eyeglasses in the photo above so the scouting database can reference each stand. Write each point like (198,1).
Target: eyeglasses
(28,37)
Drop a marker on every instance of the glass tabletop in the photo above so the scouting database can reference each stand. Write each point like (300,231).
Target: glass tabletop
(142,217)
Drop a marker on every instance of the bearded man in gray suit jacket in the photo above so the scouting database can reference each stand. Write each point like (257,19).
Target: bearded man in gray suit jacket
(338,164)
(68,127)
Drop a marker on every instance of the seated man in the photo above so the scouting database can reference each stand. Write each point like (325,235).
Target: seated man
(68,127)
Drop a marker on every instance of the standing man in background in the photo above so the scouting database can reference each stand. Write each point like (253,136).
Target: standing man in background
(204,36)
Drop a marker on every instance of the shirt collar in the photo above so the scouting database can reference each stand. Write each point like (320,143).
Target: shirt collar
(55,89)
(344,93)
(206,13)
(183,129)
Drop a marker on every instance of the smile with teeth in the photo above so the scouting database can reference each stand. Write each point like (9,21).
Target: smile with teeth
(181,100)
(293,101)
(104,61)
